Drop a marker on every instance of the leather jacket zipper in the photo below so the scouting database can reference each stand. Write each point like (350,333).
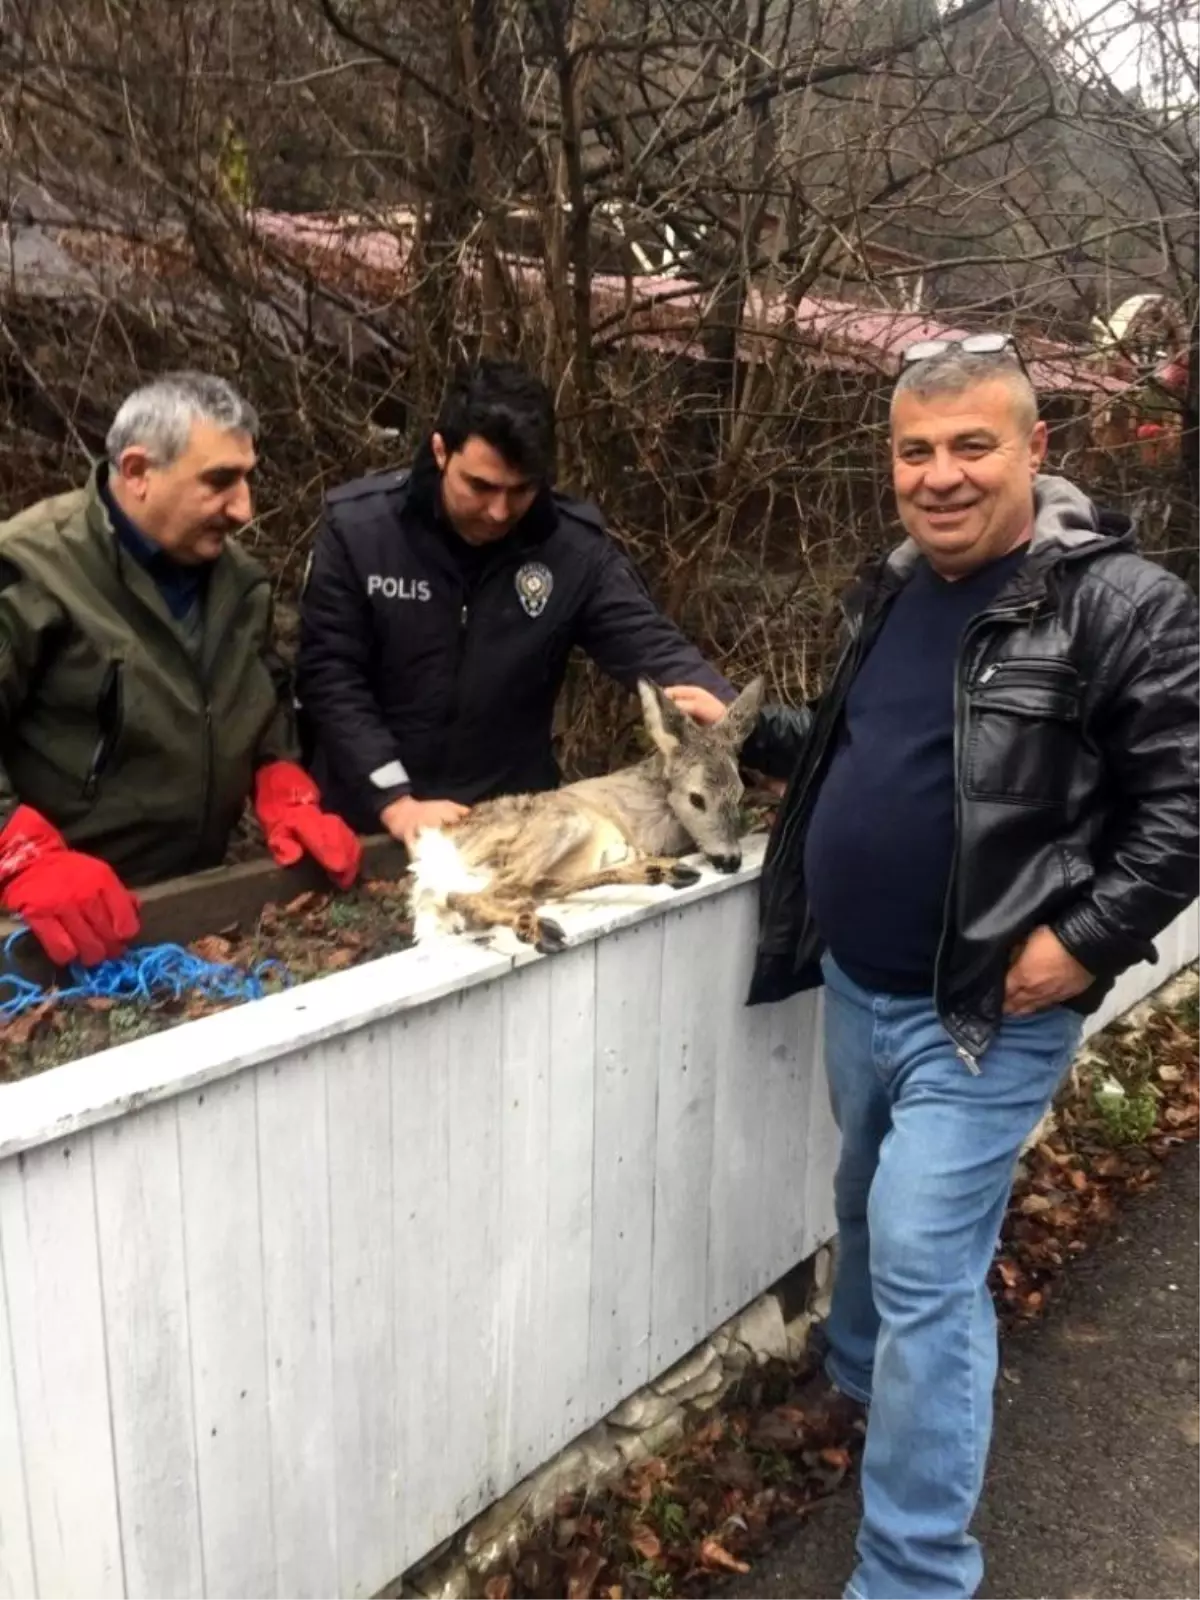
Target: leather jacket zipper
(1027,670)
(967,1056)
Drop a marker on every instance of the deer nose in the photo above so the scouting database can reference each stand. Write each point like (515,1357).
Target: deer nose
(726,863)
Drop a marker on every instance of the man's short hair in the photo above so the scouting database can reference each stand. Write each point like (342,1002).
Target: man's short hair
(508,407)
(160,415)
(956,371)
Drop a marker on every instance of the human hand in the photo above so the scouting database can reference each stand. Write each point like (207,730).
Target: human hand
(323,835)
(405,817)
(699,704)
(286,802)
(1042,973)
(75,905)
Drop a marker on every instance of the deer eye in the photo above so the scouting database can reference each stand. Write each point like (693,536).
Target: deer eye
(698,800)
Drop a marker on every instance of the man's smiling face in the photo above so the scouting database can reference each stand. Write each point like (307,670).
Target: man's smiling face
(963,467)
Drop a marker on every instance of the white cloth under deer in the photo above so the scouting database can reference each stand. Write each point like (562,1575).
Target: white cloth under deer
(510,856)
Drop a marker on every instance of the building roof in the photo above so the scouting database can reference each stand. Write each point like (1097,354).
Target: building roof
(666,312)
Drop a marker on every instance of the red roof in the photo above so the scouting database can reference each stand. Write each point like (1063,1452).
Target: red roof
(666,313)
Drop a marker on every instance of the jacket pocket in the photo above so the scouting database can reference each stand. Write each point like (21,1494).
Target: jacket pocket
(110,718)
(1023,735)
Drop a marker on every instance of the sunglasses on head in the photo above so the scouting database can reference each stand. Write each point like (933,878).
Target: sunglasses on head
(974,344)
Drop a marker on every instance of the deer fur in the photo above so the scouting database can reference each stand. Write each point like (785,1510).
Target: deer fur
(496,867)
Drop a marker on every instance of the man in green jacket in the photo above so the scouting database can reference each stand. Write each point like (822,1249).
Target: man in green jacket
(141,700)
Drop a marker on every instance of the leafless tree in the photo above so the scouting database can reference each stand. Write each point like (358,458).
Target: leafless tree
(655,202)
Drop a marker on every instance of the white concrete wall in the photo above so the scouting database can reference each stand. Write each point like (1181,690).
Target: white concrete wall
(288,1294)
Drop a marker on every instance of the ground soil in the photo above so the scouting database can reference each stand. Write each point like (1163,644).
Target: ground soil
(310,937)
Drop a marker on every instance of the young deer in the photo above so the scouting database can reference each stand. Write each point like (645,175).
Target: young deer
(495,867)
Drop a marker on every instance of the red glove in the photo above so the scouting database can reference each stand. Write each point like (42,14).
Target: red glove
(76,906)
(286,804)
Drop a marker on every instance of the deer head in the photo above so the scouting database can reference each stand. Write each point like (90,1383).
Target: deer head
(700,769)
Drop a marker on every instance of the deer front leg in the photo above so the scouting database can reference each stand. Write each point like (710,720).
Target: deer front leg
(653,870)
(484,908)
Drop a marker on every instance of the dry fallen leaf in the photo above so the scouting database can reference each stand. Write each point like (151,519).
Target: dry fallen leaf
(781,1428)
(212,948)
(308,901)
(713,1554)
(200,1005)
(1109,1165)
(1032,1204)
(645,1541)
(499,1587)
(540,1573)
(711,1433)
(582,1571)
(1061,1158)
(21,1029)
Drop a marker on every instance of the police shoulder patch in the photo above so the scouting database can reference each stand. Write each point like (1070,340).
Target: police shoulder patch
(374,483)
(582,512)
(534,583)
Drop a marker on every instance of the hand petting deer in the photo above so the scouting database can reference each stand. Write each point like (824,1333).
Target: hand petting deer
(501,862)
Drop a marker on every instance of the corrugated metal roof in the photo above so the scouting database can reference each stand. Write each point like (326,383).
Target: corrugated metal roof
(666,313)
(663,313)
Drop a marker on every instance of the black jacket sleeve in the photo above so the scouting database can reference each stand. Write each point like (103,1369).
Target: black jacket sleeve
(628,637)
(333,677)
(1146,724)
(778,738)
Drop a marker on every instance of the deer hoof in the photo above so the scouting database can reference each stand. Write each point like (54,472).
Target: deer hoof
(551,938)
(681,877)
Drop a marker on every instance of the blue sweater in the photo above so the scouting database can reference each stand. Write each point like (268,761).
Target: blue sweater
(182,587)
(881,838)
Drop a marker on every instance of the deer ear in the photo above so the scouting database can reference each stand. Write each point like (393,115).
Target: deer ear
(738,722)
(665,723)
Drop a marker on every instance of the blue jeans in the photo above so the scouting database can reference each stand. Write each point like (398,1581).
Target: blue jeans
(927,1164)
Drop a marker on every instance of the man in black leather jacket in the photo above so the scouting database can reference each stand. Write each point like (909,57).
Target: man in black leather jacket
(990,814)
(441,606)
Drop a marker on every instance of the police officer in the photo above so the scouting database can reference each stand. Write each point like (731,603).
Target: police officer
(442,604)
(141,701)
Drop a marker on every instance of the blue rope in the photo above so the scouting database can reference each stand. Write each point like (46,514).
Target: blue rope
(143,975)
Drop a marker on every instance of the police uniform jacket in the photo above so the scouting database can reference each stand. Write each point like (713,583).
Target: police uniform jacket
(429,666)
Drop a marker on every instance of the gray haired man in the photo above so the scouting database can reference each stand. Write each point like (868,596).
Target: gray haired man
(991,815)
(140,698)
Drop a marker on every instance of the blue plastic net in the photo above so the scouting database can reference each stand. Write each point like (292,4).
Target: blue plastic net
(143,975)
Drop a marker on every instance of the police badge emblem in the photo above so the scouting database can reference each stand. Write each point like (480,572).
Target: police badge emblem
(534,583)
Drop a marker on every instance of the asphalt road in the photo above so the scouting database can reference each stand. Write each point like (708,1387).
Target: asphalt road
(1093,1484)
